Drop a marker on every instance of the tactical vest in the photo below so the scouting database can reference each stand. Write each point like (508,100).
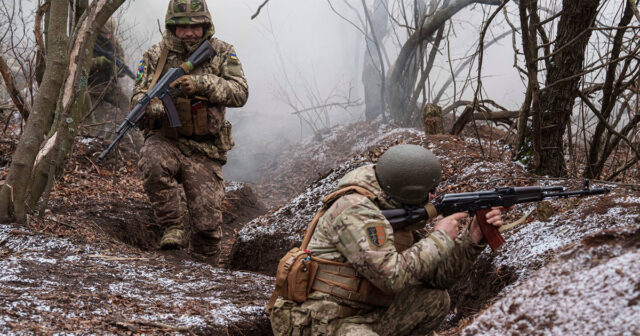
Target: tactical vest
(198,117)
(299,272)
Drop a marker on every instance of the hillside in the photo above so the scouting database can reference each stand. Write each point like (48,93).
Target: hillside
(92,264)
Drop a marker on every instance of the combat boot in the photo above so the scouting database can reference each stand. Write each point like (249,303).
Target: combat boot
(207,250)
(173,238)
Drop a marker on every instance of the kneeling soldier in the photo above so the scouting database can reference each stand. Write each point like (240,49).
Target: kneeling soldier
(361,276)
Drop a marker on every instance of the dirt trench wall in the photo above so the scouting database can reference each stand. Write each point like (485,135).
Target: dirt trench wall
(593,288)
(262,242)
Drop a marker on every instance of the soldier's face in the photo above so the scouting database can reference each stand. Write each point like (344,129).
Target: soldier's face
(189,33)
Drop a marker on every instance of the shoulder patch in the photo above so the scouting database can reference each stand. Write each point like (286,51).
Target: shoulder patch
(377,235)
(140,71)
(233,56)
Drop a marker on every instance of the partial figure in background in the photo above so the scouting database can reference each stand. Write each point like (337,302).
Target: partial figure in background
(355,275)
(102,119)
(189,157)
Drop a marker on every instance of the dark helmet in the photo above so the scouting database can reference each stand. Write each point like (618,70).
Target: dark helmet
(408,173)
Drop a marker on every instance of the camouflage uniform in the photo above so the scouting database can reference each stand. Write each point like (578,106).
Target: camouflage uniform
(418,276)
(103,87)
(191,162)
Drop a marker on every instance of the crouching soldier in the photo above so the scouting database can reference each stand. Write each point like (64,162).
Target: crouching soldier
(189,157)
(355,275)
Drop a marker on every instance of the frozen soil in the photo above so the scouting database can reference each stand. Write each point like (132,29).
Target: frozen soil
(92,263)
(52,285)
(590,288)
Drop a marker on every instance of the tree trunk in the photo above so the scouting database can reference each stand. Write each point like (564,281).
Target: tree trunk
(72,105)
(558,97)
(373,73)
(404,64)
(12,194)
(594,165)
(14,93)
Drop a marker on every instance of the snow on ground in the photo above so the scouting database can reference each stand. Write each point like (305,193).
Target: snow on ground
(531,244)
(57,283)
(588,291)
(294,217)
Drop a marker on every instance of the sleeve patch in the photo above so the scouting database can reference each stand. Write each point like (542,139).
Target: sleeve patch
(140,71)
(377,235)
(233,57)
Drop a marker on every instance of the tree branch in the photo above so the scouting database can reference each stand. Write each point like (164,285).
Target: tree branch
(259,9)
(14,93)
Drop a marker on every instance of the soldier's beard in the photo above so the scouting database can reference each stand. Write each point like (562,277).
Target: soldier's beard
(191,46)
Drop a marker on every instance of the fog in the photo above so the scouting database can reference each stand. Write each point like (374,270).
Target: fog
(295,47)
(301,48)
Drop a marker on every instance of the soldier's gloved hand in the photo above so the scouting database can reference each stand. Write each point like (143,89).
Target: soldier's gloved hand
(187,84)
(155,110)
(100,62)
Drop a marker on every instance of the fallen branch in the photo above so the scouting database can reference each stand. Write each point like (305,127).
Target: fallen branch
(61,223)
(94,165)
(164,326)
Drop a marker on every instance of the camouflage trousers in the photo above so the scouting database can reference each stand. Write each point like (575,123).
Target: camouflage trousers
(167,172)
(417,310)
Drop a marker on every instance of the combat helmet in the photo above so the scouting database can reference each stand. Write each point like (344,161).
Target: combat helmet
(188,12)
(407,173)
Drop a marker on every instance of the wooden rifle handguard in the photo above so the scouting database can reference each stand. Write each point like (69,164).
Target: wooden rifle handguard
(490,232)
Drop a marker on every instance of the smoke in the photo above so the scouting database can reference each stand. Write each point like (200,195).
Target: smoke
(295,51)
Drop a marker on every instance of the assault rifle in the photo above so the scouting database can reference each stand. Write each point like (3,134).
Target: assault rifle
(481,202)
(98,50)
(161,90)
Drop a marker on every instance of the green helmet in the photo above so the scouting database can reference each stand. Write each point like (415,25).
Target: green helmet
(408,173)
(187,12)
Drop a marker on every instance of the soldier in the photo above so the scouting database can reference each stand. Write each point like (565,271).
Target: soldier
(370,279)
(189,157)
(104,87)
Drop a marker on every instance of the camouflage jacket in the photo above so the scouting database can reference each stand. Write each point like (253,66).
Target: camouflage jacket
(221,81)
(354,230)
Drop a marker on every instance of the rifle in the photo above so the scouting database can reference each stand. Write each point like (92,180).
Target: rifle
(481,202)
(161,90)
(109,55)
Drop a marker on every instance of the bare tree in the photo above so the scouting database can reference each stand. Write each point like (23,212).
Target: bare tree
(576,63)
(65,67)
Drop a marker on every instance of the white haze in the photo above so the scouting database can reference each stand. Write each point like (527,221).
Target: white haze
(298,46)
(317,49)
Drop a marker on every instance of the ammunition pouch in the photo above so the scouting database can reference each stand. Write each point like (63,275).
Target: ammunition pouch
(295,275)
(299,272)
(198,119)
(193,117)
(342,280)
